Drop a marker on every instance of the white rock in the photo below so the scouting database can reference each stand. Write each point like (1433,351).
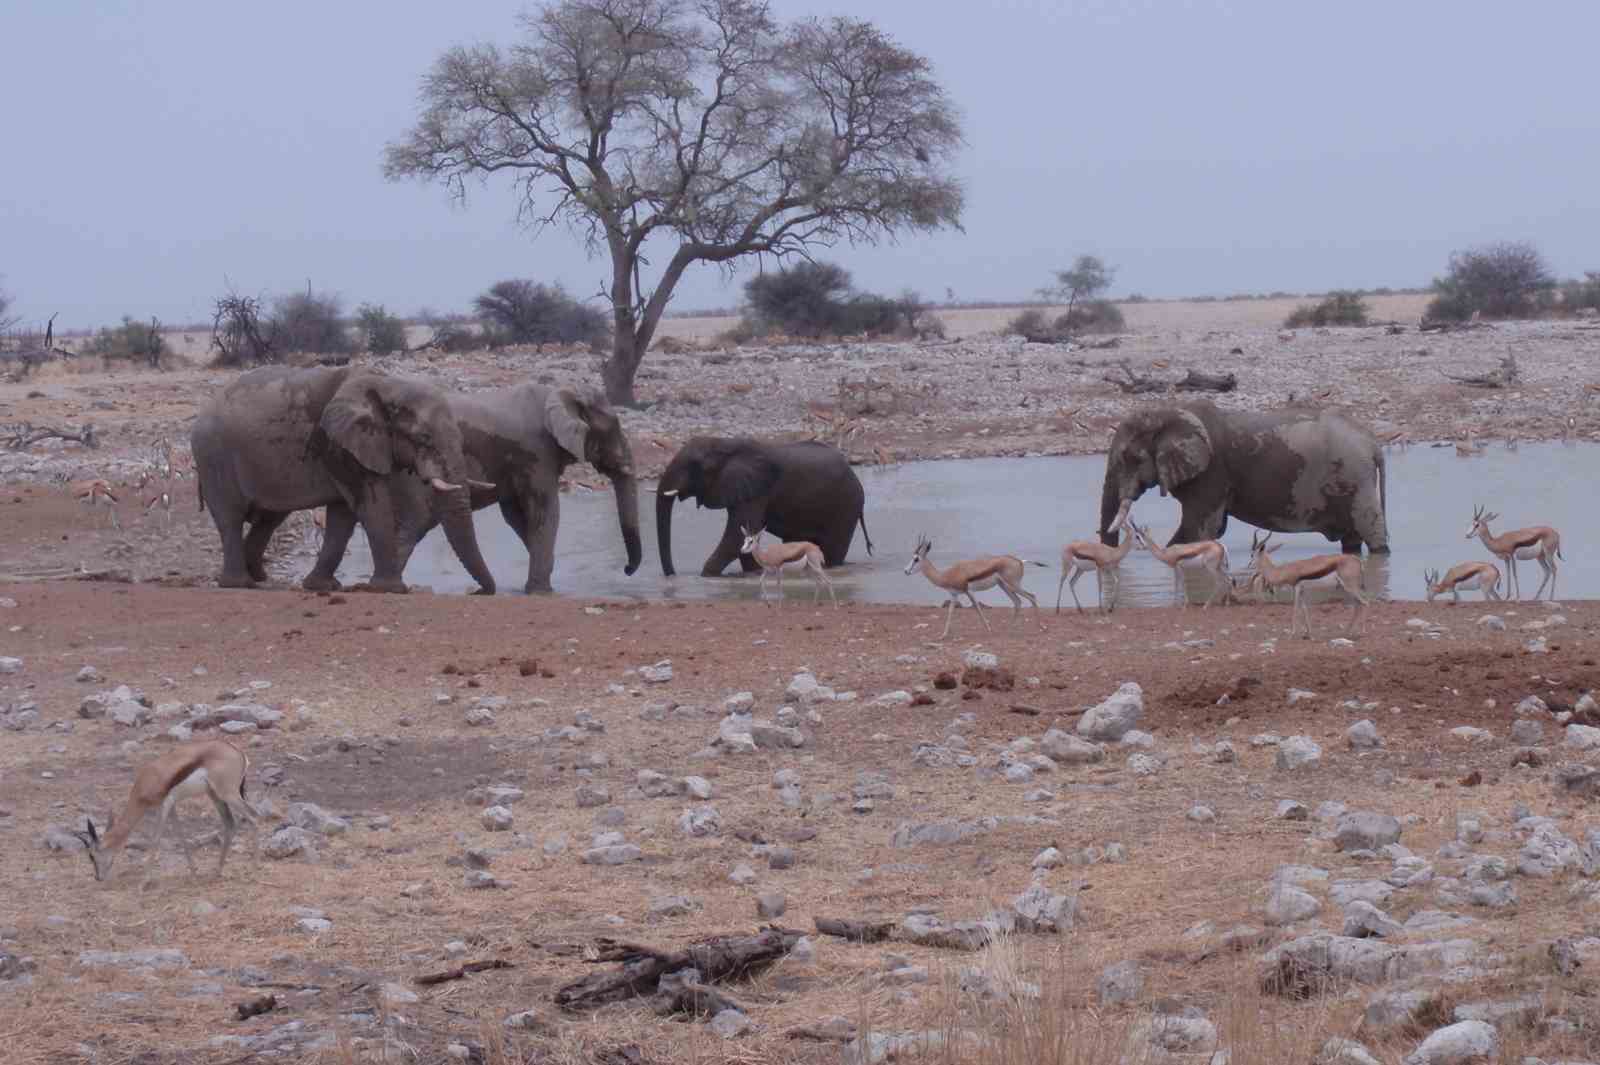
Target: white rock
(392,994)
(1582,738)
(894,698)
(1119,713)
(1472,733)
(980,660)
(697,787)
(10,665)
(1297,752)
(497,819)
(1049,858)
(739,703)
(730,1024)
(700,821)
(1363,736)
(1141,740)
(659,673)
(615,854)
(1300,695)
(1467,1041)
(1287,904)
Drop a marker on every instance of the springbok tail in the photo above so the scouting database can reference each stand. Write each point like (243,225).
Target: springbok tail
(862,518)
(1031,562)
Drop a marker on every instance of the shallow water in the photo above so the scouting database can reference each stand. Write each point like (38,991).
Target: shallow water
(1032,507)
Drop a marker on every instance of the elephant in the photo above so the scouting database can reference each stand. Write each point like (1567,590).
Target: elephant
(1296,469)
(521,439)
(796,491)
(277,440)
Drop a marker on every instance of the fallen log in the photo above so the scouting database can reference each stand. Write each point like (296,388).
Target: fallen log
(23,435)
(1205,382)
(1503,376)
(855,931)
(1135,384)
(640,968)
(429,979)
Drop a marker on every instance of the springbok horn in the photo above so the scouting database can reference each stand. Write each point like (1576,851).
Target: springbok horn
(671,493)
(486,486)
(442,485)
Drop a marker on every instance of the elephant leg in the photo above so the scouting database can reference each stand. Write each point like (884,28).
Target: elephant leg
(377,518)
(230,527)
(1350,544)
(341,525)
(538,535)
(727,548)
(255,545)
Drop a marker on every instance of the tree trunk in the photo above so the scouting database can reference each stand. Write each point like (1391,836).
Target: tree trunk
(617,372)
(631,333)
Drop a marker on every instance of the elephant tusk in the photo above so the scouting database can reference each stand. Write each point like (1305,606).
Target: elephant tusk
(483,485)
(671,493)
(442,485)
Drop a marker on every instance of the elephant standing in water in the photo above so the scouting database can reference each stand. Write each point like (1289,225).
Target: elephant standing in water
(799,491)
(277,440)
(520,439)
(1291,470)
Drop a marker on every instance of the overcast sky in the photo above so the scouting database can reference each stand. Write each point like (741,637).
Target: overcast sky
(154,152)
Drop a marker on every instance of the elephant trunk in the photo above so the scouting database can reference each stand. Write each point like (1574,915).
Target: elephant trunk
(664,530)
(456,517)
(1113,507)
(627,490)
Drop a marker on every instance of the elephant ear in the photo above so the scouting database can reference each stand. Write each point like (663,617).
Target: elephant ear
(1183,450)
(747,474)
(354,421)
(566,415)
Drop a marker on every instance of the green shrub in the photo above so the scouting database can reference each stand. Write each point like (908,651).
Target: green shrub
(381,332)
(133,341)
(1506,280)
(312,322)
(1034,326)
(519,311)
(805,300)
(1343,307)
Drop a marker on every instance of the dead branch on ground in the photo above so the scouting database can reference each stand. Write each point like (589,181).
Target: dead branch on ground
(429,979)
(1135,384)
(717,958)
(1503,376)
(1196,381)
(23,435)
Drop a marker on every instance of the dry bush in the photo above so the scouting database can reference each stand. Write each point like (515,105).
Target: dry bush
(131,342)
(1506,280)
(1343,307)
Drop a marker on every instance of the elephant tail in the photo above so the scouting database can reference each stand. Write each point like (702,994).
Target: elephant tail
(200,494)
(862,518)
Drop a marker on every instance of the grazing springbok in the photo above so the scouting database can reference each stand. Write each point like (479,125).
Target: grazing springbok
(97,491)
(1081,556)
(211,769)
(159,494)
(1344,570)
(1539,542)
(975,575)
(1209,555)
(802,554)
(1469,576)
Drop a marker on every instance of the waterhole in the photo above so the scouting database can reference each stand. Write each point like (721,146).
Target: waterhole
(1031,507)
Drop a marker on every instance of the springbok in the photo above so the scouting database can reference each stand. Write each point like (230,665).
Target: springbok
(1081,556)
(1481,576)
(97,491)
(1209,555)
(803,554)
(1539,542)
(1345,570)
(213,769)
(975,575)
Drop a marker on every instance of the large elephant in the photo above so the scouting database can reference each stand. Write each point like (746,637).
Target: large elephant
(277,440)
(1291,470)
(520,439)
(798,491)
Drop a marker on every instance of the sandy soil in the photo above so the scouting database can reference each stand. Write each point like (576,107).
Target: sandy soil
(361,678)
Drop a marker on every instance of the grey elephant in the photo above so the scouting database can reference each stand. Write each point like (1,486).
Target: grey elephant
(277,440)
(1296,469)
(796,491)
(517,441)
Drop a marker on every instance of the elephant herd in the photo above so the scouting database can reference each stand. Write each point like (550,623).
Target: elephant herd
(400,456)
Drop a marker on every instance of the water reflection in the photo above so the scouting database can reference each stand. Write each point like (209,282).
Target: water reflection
(1032,507)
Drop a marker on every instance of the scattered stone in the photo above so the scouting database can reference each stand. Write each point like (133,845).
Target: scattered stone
(592,795)
(1144,765)
(1067,749)
(1363,736)
(10,665)
(659,673)
(1527,733)
(133,959)
(1120,983)
(1049,858)
(771,905)
(612,854)
(1109,720)
(1287,904)
(1582,737)
(700,821)
(1224,753)
(288,842)
(1042,910)
(1457,1044)
(478,716)
(742,874)
(1201,814)
(313,818)
(1471,733)
(730,1023)
(1291,810)
(1300,695)
(672,906)
(1297,752)
(497,819)
(1366,831)
(1493,622)
(1362,919)
(780,858)
(1338,1051)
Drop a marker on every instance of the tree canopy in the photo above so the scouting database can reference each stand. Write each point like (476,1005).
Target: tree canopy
(704,123)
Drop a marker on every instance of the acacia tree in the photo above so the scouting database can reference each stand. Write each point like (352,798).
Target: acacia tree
(1088,277)
(7,320)
(702,123)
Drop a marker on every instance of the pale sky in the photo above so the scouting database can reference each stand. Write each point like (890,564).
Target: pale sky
(155,151)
